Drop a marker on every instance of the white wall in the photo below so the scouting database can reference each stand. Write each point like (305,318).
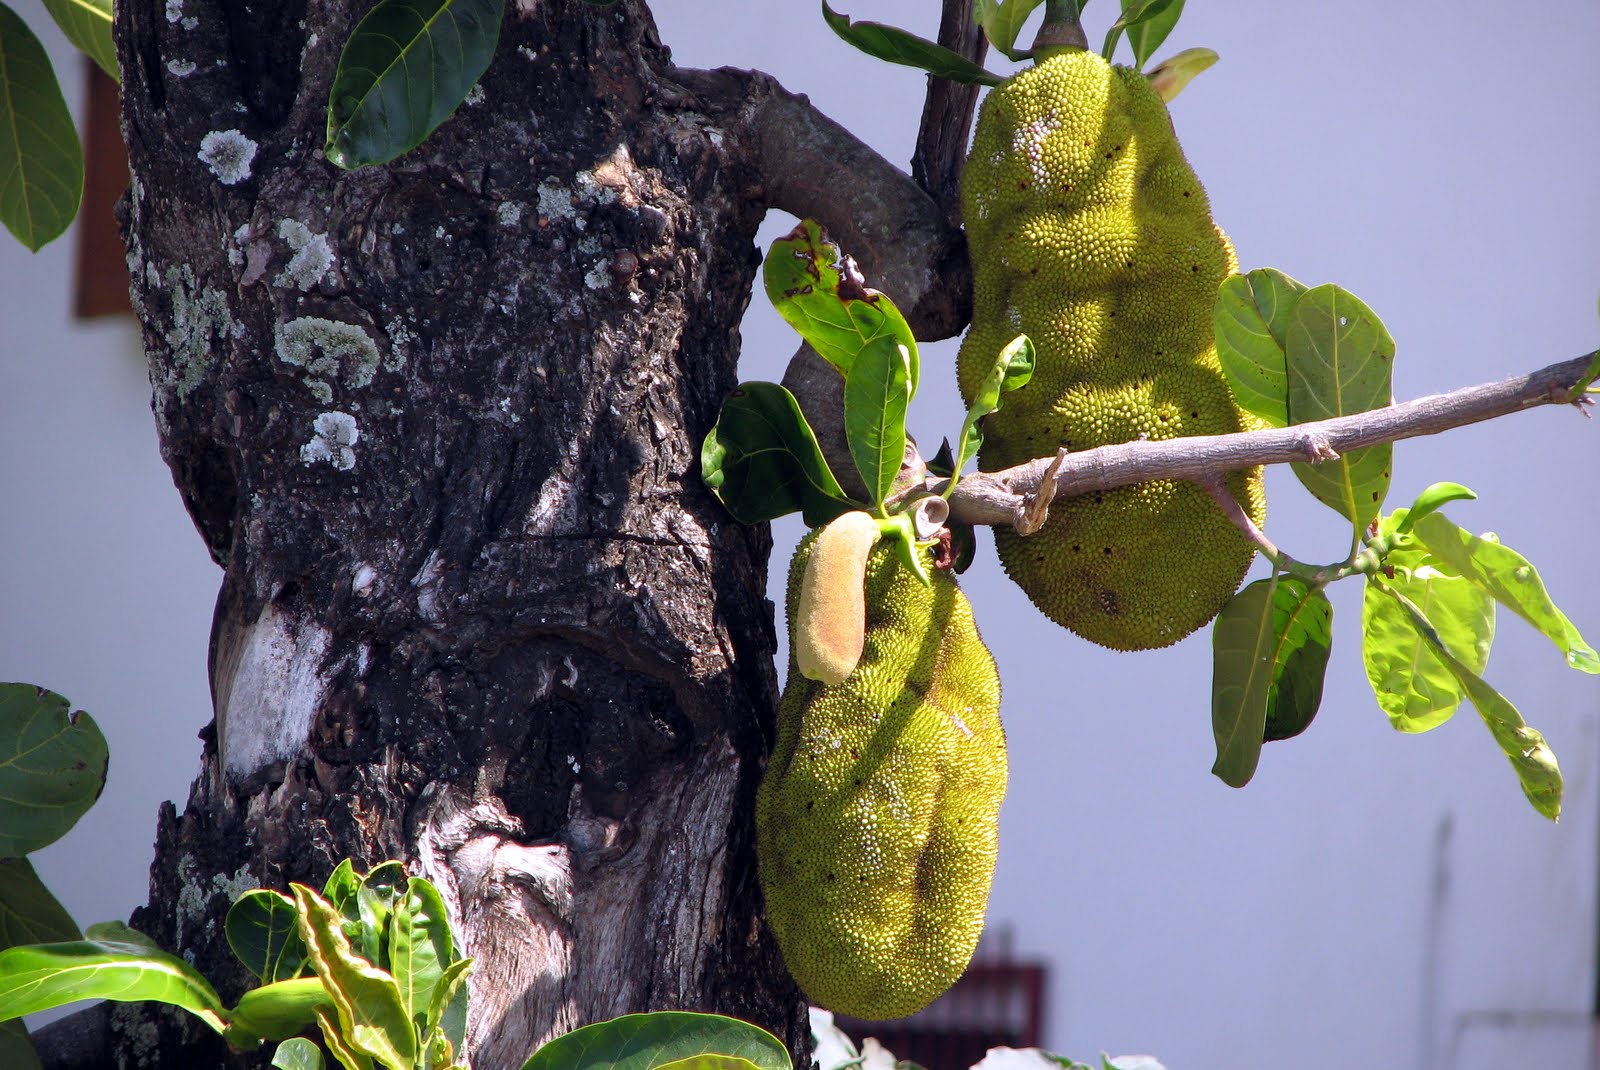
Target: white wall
(1436,158)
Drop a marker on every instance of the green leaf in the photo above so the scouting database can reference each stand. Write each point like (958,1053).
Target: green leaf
(1012,370)
(1252,320)
(280,1010)
(350,1057)
(1340,361)
(87,24)
(1525,747)
(420,947)
(1241,679)
(29,914)
(651,1041)
(1135,12)
(342,887)
(762,460)
(381,889)
(710,1062)
(297,1053)
(16,1050)
(405,69)
(1002,20)
(876,393)
(37,977)
(820,294)
(1431,499)
(263,932)
(1514,583)
(52,766)
(1302,638)
(1173,74)
(371,1017)
(1150,29)
(907,49)
(41,160)
(448,1011)
(118,932)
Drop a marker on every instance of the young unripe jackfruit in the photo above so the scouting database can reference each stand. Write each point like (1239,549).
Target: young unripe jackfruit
(1089,232)
(877,821)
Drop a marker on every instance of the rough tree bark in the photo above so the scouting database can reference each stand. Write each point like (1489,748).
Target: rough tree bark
(439,422)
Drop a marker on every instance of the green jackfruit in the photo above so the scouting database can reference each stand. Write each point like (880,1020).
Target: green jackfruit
(1089,232)
(877,821)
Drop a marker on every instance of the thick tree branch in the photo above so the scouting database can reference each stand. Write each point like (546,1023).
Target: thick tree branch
(1002,497)
(947,114)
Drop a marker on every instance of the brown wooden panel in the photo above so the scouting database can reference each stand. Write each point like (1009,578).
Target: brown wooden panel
(101,284)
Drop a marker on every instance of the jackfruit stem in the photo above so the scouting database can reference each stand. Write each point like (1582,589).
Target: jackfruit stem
(1061,30)
(1316,575)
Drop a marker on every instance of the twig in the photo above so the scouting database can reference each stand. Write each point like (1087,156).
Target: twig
(995,497)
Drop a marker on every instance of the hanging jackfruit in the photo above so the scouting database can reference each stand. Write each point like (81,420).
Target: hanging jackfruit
(877,821)
(1089,232)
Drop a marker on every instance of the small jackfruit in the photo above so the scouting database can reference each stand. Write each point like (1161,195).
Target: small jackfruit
(1089,232)
(877,821)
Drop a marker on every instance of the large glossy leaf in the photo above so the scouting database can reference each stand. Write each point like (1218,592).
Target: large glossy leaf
(1514,583)
(653,1041)
(280,1010)
(16,1050)
(876,392)
(1525,747)
(87,24)
(41,160)
(38,977)
(1340,361)
(898,46)
(263,931)
(821,295)
(762,459)
(405,69)
(1302,638)
(371,1017)
(420,946)
(1252,320)
(382,887)
(711,1062)
(1002,20)
(52,767)
(297,1053)
(1012,370)
(29,914)
(1241,679)
(349,1056)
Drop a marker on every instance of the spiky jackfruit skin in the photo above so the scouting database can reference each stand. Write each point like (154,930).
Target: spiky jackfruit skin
(877,821)
(1089,232)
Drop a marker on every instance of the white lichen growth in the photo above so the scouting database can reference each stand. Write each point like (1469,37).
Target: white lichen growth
(200,322)
(510,213)
(334,441)
(401,338)
(555,202)
(312,260)
(592,190)
(328,348)
(598,277)
(229,154)
(180,68)
(174,10)
(474,95)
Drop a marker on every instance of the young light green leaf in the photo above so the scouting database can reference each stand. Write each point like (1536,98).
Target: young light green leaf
(762,460)
(1012,370)
(1525,747)
(876,392)
(1302,638)
(87,24)
(1434,496)
(1514,583)
(382,887)
(646,1041)
(1340,361)
(118,932)
(448,1010)
(1252,319)
(710,1062)
(341,889)
(16,1050)
(279,1010)
(1002,20)
(37,977)
(907,49)
(1241,679)
(1147,32)
(405,69)
(1133,12)
(821,295)
(263,932)
(371,1017)
(420,946)
(297,1053)
(41,160)
(52,766)
(1173,74)
(350,1057)
(29,914)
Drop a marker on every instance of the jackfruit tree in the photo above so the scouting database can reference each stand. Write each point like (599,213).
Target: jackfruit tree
(441,305)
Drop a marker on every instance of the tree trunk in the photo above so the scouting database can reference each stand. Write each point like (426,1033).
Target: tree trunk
(439,421)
